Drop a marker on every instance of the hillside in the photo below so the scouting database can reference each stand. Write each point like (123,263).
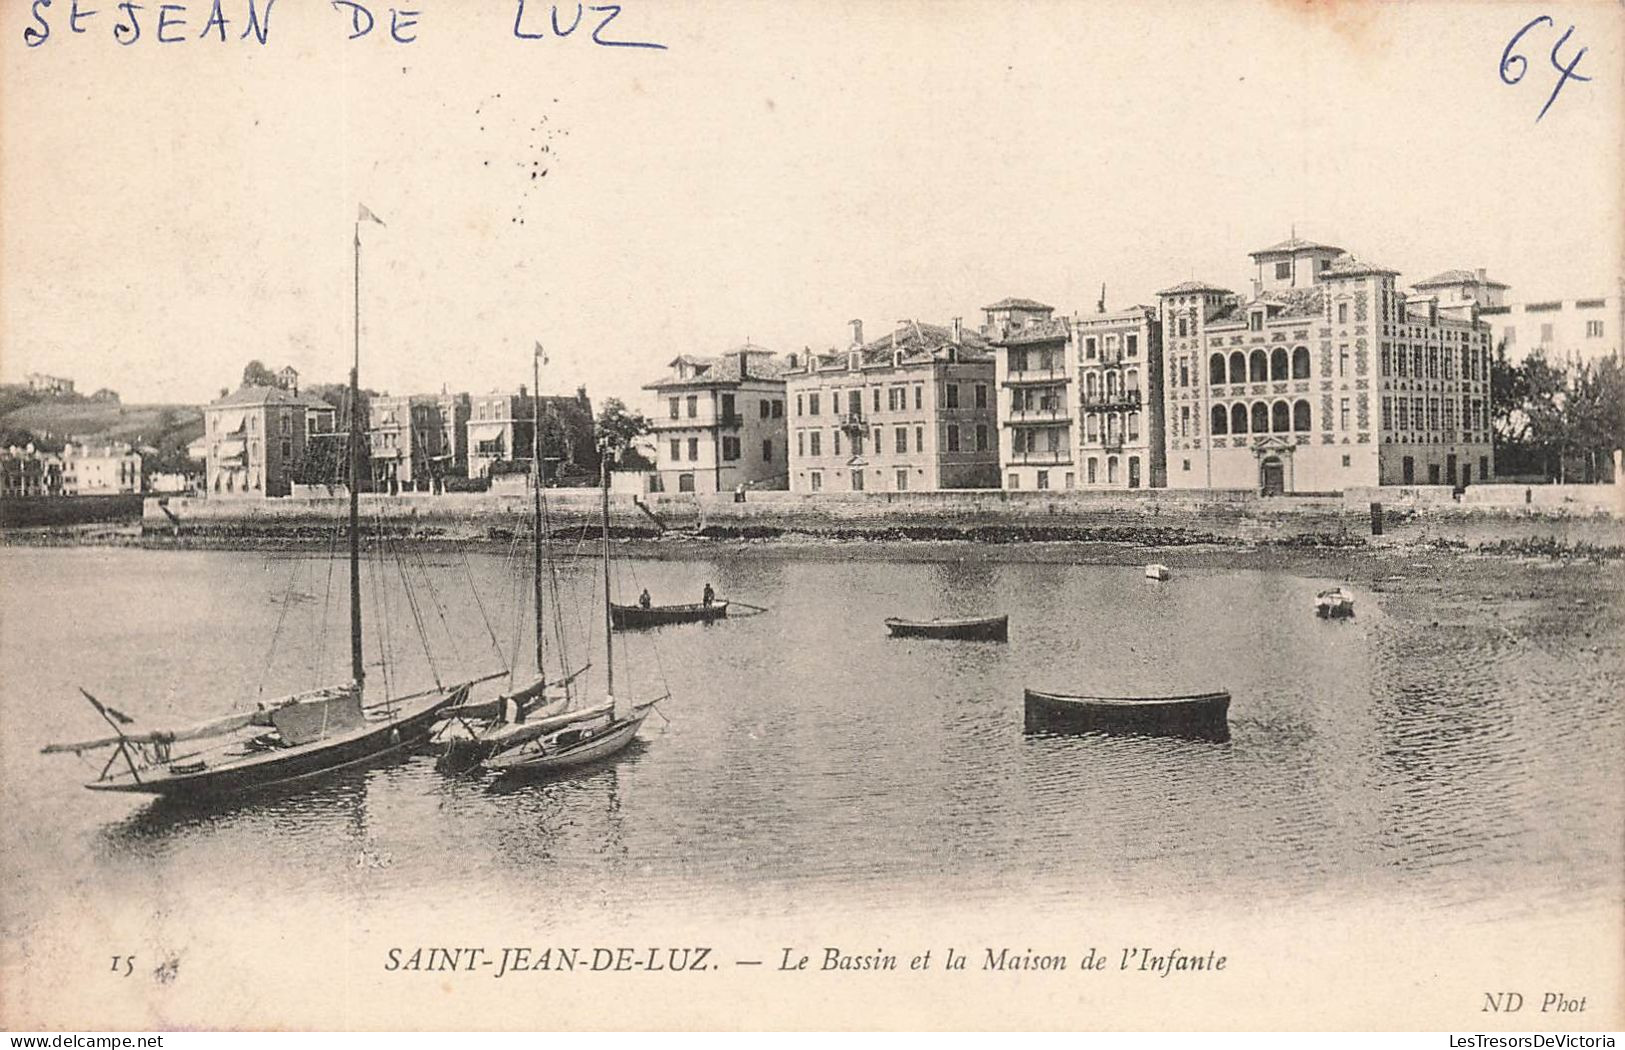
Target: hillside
(51,421)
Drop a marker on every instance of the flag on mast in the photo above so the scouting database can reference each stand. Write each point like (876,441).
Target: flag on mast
(541,355)
(366,215)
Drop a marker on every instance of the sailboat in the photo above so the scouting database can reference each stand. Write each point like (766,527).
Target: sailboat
(288,740)
(578,737)
(471,731)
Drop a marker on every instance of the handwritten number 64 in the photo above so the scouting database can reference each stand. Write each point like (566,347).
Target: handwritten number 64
(1512,75)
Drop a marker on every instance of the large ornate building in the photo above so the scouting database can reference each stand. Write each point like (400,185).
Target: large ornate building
(1326,377)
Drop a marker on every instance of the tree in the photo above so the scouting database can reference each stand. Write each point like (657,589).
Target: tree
(620,427)
(256,374)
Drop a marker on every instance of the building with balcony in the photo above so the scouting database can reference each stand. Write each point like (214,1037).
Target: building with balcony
(100,470)
(1079,398)
(500,430)
(1564,331)
(1326,377)
(405,436)
(719,422)
(453,411)
(911,411)
(28,472)
(259,439)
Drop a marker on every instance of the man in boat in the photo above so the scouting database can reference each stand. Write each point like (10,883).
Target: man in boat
(709,596)
(643,599)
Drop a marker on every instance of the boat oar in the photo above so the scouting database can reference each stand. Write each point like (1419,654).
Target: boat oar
(747,605)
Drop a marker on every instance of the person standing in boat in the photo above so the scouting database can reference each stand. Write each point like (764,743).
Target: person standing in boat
(709,596)
(643,599)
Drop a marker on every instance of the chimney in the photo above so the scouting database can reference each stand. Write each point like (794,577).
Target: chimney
(959,329)
(857,332)
(744,365)
(1482,276)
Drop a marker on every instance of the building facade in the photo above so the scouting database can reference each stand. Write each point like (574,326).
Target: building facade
(719,423)
(1326,377)
(404,438)
(1080,398)
(454,412)
(259,439)
(27,472)
(501,428)
(100,470)
(56,386)
(912,411)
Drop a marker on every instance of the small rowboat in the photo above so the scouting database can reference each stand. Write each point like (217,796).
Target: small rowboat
(1200,715)
(633,616)
(982,628)
(1335,604)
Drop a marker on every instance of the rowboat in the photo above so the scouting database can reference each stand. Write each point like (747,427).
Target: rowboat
(980,628)
(1335,604)
(1200,715)
(633,616)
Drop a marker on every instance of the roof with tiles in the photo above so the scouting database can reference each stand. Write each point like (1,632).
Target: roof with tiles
(1018,304)
(254,396)
(1187,287)
(915,343)
(1292,246)
(1454,277)
(722,369)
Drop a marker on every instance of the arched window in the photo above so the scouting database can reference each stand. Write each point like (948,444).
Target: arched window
(1258,367)
(1280,417)
(1238,418)
(1261,418)
(1278,364)
(1131,381)
(1221,420)
(1300,417)
(1238,367)
(1300,362)
(1111,383)
(1215,369)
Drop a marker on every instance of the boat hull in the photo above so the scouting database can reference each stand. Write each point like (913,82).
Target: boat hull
(600,745)
(982,629)
(629,617)
(1200,716)
(409,729)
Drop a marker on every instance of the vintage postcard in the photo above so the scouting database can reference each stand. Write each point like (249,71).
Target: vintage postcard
(811,515)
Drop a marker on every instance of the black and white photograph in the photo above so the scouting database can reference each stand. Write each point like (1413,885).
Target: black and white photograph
(817,515)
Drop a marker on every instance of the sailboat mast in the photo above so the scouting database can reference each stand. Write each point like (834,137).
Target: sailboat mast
(536,494)
(609,625)
(357,672)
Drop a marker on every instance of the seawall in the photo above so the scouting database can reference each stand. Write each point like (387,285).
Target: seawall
(1488,516)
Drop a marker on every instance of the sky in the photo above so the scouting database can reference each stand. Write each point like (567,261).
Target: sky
(169,211)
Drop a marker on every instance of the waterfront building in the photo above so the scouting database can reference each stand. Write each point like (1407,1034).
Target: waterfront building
(1326,377)
(911,411)
(1080,399)
(404,439)
(500,430)
(454,411)
(258,438)
(720,422)
(1565,331)
(100,470)
(28,472)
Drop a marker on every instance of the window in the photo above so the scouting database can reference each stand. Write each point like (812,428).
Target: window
(815,441)
(1403,404)
(919,396)
(778,408)
(1091,427)
(1215,369)
(953,395)
(953,435)
(1043,479)
(1131,345)
(1071,480)
(1345,459)
(1261,418)
(1093,467)
(1257,367)
(1593,329)
(1300,417)
(1342,361)
(1111,470)
(1280,417)
(1343,414)
(730,448)
(1018,360)
(676,448)
(1342,313)
(767,451)
(1545,334)
(1183,328)
(1013,481)
(1283,271)
(1133,426)
(1089,348)
(1278,364)
(799,404)
(1386,364)
(767,409)
(685,483)
(1255,321)
(880,444)
(835,442)
(815,478)
(693,448)
(287,450)
(1400,359)
(1238,367)
(981,395)
(287,422)
(902,481)
(812,404)
(1184,421)
(1184,372)
(1238,419)
(801,442)
(1185,464)
(981,437)
(1300,362)
(693,406)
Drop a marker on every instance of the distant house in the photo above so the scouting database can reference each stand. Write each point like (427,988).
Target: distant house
(100,470)
(105,396)
(26,472)
(257,436)
(55,386)
(721,423)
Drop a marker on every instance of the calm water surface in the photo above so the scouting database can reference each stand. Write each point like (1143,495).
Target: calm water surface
(1444,763)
